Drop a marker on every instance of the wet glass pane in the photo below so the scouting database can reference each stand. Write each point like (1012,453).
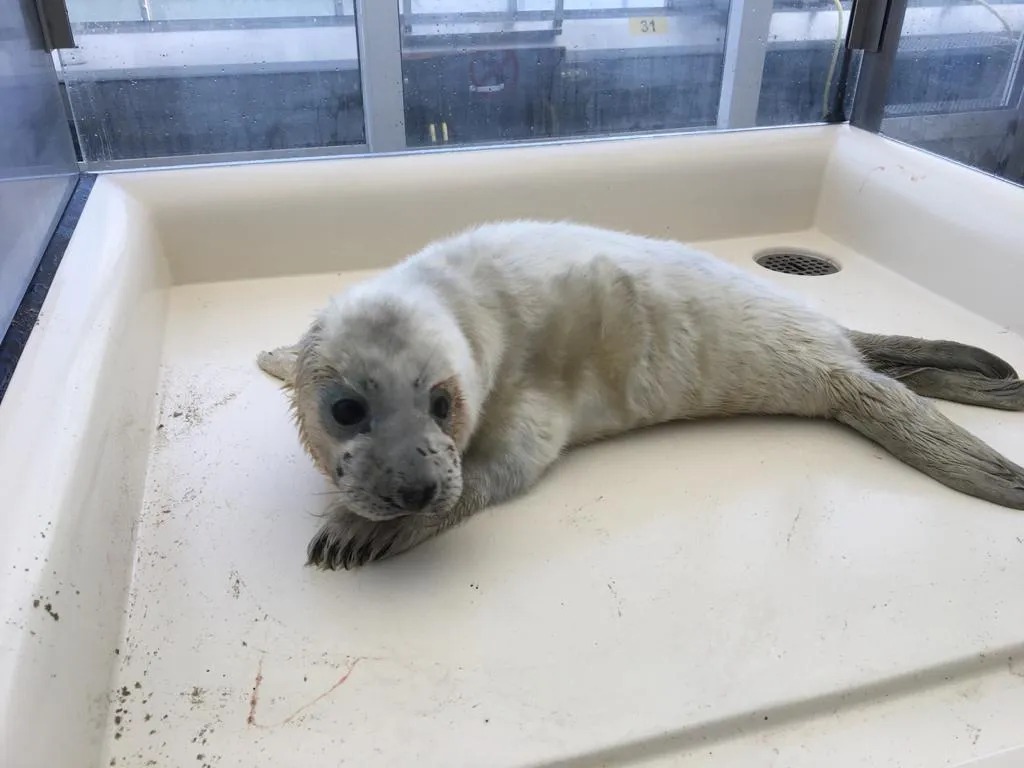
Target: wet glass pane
(957,83)
(179,78)
(37,158)
(535,71)
(803,62)
(482,71)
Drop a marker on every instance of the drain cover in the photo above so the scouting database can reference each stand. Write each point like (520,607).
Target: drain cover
(797,263)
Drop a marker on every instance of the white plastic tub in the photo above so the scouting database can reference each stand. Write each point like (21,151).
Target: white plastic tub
(743,592)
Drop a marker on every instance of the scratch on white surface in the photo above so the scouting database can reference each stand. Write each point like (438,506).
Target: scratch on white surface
(974,732)
(616,598)
(867,177)
(1015,667)
(341,681)
(254,699)
(792,526)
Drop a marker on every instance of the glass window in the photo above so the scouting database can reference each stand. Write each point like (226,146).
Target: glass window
(172,78)
(803,62)
(37,159)
(485,71)
(957,82)
(157,79)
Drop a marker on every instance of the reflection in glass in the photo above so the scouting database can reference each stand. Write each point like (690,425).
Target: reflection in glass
(37,159)
(481,71)
(957,83)
(198,77)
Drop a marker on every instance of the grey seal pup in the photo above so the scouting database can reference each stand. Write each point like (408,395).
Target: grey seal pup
(455,379)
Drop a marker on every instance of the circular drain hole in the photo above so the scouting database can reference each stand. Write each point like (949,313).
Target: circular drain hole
(792,262)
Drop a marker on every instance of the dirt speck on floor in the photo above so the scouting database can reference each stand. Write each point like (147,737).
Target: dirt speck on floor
(200,738)
(195,404)
(47,606)
(196,696)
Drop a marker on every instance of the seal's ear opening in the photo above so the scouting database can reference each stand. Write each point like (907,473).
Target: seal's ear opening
(306,351)
(308,371)
(458,421)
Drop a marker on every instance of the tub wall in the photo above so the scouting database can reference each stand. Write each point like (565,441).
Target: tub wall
(75,428)
(358,213)
(953,230)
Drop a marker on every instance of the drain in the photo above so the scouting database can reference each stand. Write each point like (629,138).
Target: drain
(791,262)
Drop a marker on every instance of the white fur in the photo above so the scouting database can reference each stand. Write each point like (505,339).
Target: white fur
(559,333)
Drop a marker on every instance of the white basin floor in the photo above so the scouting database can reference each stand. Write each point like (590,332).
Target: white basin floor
(698,591)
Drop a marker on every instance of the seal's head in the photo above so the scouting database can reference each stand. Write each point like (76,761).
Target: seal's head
(380,399)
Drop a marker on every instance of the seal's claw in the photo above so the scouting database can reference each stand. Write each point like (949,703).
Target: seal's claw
(349,541)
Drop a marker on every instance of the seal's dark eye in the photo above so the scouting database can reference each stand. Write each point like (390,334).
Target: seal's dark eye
(348,412)
(440,405)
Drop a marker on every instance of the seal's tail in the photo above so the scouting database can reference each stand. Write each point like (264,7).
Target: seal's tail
(914,431)
(946,370)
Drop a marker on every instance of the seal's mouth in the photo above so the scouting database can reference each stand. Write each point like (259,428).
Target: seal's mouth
(382,515)
(393,509)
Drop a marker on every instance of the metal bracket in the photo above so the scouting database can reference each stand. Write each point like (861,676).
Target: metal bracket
(867,25)
(56,25)
(876,67)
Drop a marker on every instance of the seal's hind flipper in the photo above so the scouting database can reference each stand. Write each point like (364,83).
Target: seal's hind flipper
(882,352)
(962,387)
(914,431)
(945,370)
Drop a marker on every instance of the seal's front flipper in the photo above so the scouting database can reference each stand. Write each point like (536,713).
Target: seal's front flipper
(279,363)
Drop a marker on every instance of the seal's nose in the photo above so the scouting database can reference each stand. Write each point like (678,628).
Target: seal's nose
(416,497)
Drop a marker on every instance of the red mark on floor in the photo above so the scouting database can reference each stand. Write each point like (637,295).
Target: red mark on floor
(341,681)
(255,698)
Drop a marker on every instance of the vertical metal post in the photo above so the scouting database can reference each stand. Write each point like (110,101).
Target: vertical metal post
(1014,170)
(872,92)
(55,23)
(1014,76)
(380,74)
(746,42)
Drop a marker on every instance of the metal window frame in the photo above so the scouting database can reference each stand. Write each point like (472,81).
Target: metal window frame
(876,66)
(55,25)
(1015,163)
(379,40)
(249,157)
(746,44)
